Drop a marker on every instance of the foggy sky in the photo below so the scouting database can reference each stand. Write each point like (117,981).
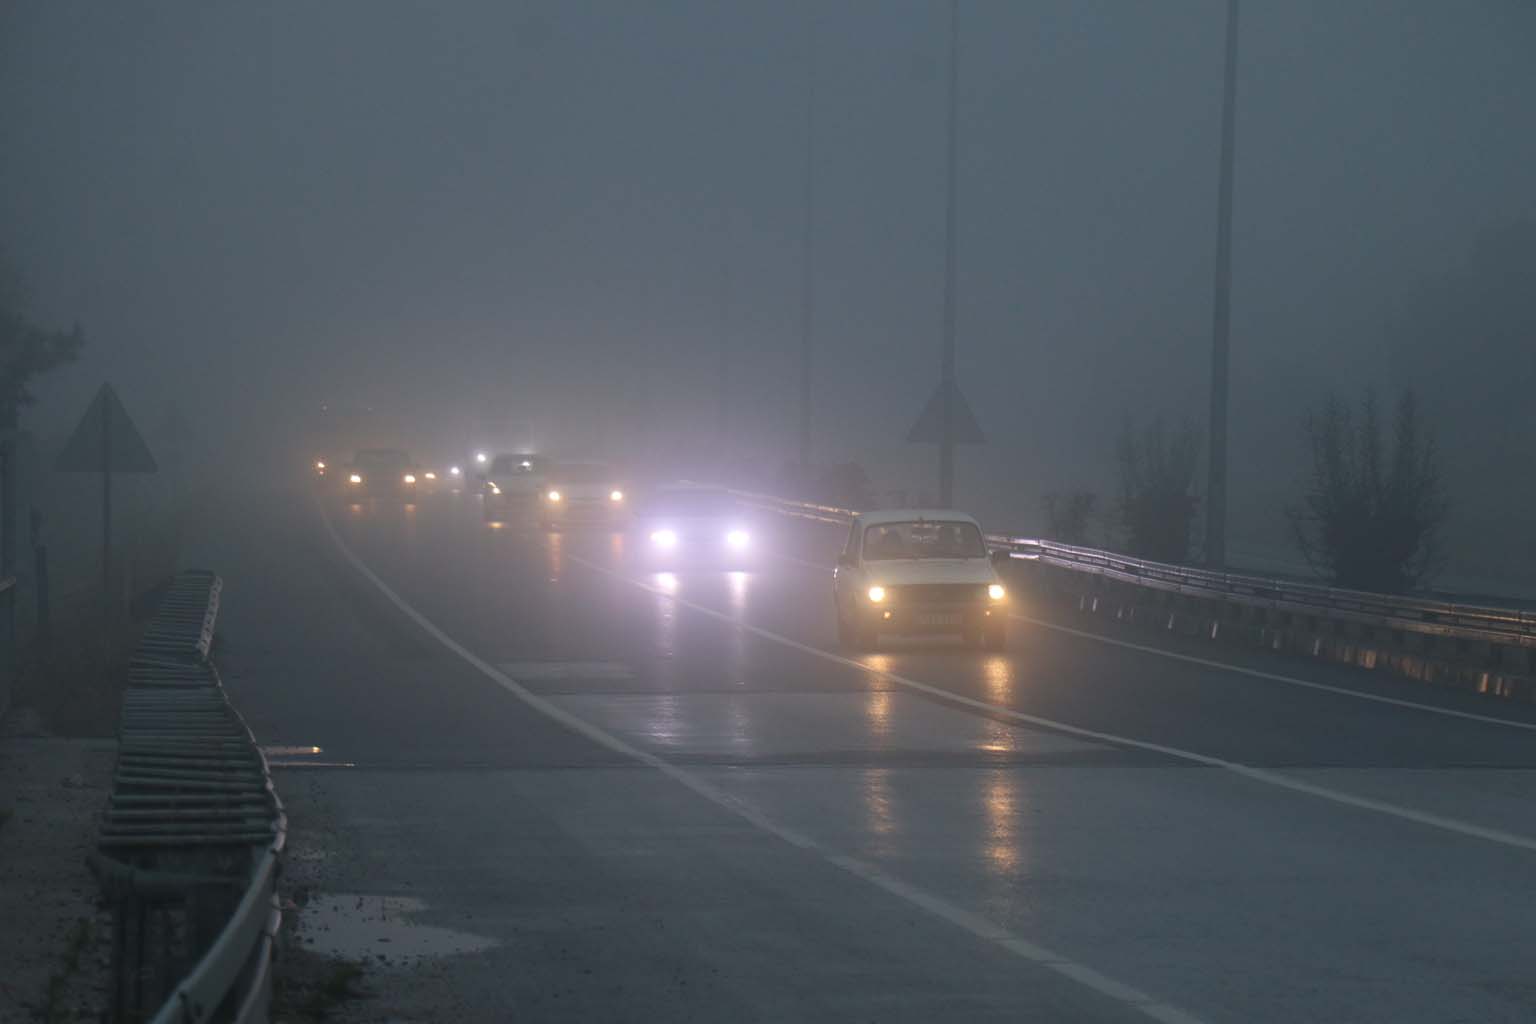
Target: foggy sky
(562,208)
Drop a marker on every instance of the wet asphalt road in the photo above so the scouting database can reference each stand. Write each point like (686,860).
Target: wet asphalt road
(876,837)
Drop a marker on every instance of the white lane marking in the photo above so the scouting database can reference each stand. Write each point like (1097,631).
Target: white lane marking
(556,671)
(1273,677)
(1463,828)
(976,925)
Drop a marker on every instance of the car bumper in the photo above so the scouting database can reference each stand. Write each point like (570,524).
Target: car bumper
(701,556)
(359,492)
(603,511)
(928,619)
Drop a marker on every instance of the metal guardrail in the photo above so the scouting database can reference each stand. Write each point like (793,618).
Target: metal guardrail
(1486,623)
(1491,624)
(190,841)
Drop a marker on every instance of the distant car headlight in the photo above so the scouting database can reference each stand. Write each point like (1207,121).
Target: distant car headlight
(454,470)
(495,489)
(876,595)
(320,465)
(996,592)
(481,457)
(615,495)
(553,496)
(526,464)
(431,475)
(738,539)
(355,478)
(409,478)
(664,538)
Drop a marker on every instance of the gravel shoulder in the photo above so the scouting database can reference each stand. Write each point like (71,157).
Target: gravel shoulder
(54,937)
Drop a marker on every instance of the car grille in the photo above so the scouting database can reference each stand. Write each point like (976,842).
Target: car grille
(937,593)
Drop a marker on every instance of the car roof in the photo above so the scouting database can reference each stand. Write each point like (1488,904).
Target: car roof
(910,515)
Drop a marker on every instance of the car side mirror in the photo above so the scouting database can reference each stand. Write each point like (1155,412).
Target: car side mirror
(846,560)
(1001,558)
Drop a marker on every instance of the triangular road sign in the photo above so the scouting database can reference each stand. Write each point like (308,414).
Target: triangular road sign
(930,425)
(106,440)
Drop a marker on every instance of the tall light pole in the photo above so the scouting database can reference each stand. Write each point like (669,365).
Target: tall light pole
(947,365)
(807,242)
(1221,319)
(723,371)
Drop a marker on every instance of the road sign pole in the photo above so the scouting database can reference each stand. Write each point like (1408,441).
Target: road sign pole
(1216,474)
(808,244)
(106,504)
(93,449)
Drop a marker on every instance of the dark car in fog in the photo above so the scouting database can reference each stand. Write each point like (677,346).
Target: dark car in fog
(513,486)
(695,525)
(582,492)
(380,473)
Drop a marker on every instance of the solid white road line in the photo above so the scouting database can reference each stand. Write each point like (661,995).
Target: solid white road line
(976,925)
(1254,673)
(1269,778)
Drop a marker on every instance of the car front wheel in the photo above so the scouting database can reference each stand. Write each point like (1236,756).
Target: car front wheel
(856,636)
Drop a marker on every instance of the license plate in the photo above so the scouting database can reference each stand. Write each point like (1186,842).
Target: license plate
(938,618)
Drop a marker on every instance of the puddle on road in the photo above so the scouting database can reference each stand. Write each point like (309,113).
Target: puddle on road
(371,927)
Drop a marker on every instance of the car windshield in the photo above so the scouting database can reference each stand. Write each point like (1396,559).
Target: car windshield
(382,458)
(510,465)
(584,473)
(923,539)
(690,503)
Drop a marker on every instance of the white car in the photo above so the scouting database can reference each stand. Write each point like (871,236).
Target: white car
(915,571)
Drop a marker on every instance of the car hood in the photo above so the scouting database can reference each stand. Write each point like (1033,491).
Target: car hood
(898,571)
(581,490)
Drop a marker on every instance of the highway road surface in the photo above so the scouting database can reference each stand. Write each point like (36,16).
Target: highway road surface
(612,794)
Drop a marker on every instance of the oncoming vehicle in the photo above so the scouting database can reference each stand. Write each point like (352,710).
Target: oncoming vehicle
(918,571)
(512,486)
(380,473)
(581,492)
(694,524)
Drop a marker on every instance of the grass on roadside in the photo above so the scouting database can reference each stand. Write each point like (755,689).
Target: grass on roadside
(74,683)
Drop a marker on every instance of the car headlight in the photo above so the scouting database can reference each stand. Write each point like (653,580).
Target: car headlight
(454,470)
(876,594)
(664,538)
(481,457)
(526,464)
(615,495)
(495,489)
(320,465)
(996,592)
(553,496)
(431,475)
(409,478)
(738,539)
